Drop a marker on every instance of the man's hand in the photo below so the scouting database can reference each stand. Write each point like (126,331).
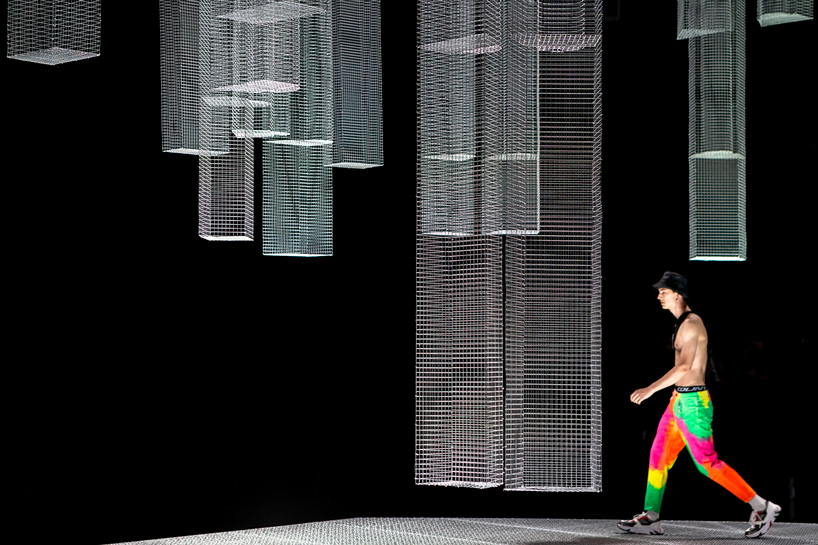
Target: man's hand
(641,395)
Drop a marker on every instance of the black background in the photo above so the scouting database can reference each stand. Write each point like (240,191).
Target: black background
(158,384)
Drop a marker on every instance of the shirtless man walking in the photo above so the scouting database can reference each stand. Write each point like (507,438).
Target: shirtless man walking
(687,420)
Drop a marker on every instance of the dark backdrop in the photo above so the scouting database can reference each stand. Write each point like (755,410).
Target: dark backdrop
(163,385)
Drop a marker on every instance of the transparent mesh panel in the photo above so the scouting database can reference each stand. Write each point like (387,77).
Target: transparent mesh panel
(179,73)
(508,172)
(459,433)
(357,93)
(53,31)
(296,160)
(776,12)
(716,75)
(553,279)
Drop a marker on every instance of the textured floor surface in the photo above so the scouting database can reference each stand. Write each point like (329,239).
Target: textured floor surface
(460,531)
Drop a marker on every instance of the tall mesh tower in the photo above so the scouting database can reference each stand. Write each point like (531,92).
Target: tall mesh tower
(228,83)
(297,176)
(508,245)
(356,45)
(716,145)
(179,73)
(776,12)
(53,31)
(459,266)
(553,278)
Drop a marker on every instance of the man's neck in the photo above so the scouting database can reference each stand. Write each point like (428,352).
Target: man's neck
(678,310)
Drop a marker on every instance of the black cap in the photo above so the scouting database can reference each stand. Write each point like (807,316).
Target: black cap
(674,282)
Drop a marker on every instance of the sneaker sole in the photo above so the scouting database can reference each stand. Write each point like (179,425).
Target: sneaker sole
(761,531)
(764,527)
(641,531)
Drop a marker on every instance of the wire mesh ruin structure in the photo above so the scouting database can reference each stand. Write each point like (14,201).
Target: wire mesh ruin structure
(358,133)
(53,31)
(716,144)
(508,245)
(776,12)
(235,70)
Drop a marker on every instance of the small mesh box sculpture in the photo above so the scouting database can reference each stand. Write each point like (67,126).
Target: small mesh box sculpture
(716,131)
(508,245)
(53,31)
(776,12)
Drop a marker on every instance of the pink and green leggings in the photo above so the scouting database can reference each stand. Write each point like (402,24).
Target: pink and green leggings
(686,422)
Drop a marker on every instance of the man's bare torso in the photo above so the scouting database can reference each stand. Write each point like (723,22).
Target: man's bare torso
(691,342)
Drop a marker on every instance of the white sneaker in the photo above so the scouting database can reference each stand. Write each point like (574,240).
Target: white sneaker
(760,521)
(641,524)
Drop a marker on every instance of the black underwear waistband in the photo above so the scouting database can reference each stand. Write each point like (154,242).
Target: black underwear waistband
(688,389)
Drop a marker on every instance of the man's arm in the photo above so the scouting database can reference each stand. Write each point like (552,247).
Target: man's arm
(686,344)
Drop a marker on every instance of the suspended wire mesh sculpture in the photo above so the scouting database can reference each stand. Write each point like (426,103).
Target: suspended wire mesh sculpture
(508,245)
(553,277)
(226,70)
(236,70)
(53,31)
(776,12)
(358,110)
(179,75)
(716,149)
(459,269)
(297,176)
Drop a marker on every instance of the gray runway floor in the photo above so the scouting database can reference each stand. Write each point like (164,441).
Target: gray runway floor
(490,531)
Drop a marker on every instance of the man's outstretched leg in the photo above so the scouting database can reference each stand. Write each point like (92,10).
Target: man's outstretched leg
(694,415)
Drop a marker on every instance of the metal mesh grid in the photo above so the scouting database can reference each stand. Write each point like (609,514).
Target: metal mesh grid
(226,58)
(776,12)
(553,278)
(509,144)
(357,93)
(179,74)
(53,31)
(297,176)
(717,132)
(459,434)
(449,45)
(698,17)
(452,531)
(459,271)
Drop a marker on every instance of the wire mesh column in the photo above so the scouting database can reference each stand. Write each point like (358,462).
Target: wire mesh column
(459,363)
(53,31)
(776,12)
(179,75)
(716,149)
(553,278)
(357,93)
(226,111)
(297,173)
(509,208)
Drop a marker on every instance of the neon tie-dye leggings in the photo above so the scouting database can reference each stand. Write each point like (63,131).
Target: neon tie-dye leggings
(686,422)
